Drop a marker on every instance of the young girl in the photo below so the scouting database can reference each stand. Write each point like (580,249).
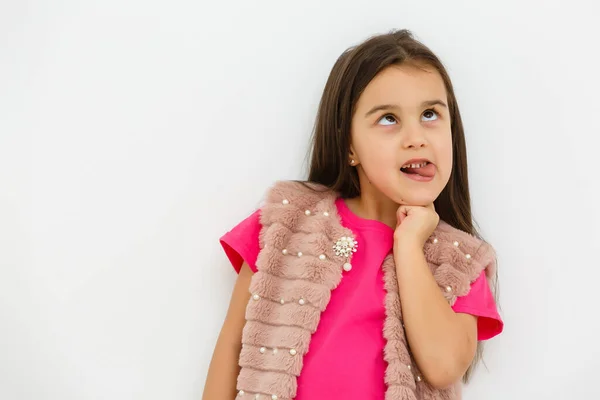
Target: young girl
(368,281)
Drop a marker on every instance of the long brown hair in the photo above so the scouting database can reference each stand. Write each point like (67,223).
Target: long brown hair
(349,77)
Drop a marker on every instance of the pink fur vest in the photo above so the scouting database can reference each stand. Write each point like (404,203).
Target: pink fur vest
(304,250)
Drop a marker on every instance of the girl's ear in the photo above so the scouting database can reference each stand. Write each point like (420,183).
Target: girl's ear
(352,157)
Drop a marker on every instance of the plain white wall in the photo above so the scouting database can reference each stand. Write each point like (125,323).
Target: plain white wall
(134,133)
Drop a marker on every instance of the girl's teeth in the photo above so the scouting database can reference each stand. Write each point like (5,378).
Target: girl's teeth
(414,165)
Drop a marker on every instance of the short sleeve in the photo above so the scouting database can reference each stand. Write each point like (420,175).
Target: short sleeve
(242,242)
(480,303)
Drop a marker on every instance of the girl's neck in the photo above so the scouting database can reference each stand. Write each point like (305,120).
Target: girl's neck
(375,207)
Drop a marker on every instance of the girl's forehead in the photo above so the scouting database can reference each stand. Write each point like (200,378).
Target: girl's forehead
(404,85)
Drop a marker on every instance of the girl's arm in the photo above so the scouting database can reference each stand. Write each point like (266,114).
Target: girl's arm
(224,369)
(443,342)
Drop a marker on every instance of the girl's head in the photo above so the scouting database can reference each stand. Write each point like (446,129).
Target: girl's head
(387,103)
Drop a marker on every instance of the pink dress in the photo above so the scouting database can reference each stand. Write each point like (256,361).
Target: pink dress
(345,359)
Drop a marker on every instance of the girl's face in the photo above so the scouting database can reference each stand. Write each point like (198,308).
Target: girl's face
(401,138)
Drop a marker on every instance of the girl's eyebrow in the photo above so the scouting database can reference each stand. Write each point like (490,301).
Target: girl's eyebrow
(427,103)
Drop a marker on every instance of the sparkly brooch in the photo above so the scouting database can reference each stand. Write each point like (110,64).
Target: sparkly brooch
(345,246)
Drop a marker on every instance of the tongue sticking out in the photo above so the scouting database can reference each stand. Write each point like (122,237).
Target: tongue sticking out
(427,171)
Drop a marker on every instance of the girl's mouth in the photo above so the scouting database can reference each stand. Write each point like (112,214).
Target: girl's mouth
(419,170)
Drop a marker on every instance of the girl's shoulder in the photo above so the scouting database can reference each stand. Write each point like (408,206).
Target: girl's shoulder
(469,246)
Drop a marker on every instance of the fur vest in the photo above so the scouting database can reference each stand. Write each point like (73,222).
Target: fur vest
(304,251)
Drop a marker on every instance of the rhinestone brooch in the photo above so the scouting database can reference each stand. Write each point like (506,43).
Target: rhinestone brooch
(345,246)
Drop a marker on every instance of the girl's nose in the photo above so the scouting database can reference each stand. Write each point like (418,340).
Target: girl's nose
(413,137)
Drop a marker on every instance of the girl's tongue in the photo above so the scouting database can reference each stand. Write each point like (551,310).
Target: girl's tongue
(428,170)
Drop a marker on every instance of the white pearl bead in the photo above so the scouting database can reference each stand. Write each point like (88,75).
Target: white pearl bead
(241,393)
(418,378)
(468,256)
(448,289)
(307,212)
(262,350)
(456,244)
(257,396)
(326,214)
(284,251)
(409,367)
(301,302)
(274,351)
(282,301)
(435,240)
(293,352)
(322,257)
(299,254)
(274,397)
(256,297)
(286,202)
(347,267)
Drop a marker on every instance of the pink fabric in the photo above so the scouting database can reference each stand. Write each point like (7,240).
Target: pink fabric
(351,327)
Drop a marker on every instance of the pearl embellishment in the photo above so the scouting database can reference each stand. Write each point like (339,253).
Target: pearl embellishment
(347,267)
(448,289)
(435,240)
(255,297)
(282,301)
(284,251)
(307,212)
(301,302)
(299,254)
(262,350)
(326,214)
(418,378)
(286,202)
(455,244)
(293,352)
(241,393)
(274,397)
(468,256)
(275,351)
(322,257)
(345,246)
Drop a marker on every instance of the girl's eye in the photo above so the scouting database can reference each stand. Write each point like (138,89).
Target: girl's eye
(430,114)
(388,119)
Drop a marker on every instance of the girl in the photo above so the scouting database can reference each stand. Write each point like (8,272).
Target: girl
(368,281)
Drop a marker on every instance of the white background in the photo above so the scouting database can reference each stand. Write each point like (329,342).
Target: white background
(134,133)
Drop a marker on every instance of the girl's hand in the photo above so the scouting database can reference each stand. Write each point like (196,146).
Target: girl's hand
(415,225)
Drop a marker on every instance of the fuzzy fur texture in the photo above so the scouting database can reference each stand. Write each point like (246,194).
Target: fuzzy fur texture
(289,293)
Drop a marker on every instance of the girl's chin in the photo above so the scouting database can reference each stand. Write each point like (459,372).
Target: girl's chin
(408,196)
(422,201)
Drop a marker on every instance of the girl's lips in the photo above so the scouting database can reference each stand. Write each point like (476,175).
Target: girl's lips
(423,171)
